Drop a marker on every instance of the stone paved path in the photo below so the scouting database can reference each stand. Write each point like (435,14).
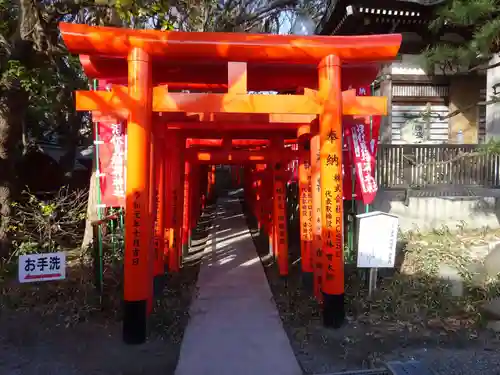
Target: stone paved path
(234,326)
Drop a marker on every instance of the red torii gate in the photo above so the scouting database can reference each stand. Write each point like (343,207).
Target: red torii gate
(152,64)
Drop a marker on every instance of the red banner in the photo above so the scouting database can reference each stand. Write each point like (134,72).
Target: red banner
(370,134)
(112,171)
(346,172)
(360,146)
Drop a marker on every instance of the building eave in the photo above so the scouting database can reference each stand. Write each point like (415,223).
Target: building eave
(409,13)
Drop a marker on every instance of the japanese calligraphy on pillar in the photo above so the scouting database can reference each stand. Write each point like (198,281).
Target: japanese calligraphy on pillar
(136,232)
(157,209)
(159,171)
(306,205)
(279,191)
(332,234)
(112,151)
(42,267)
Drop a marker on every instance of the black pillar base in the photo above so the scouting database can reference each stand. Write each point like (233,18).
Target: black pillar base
(308,281)
(284,280)
(333,310)
(158,285)
(185,248)
(134,322)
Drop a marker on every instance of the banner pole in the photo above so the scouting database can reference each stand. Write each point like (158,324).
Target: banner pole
(372,281)
(100,267)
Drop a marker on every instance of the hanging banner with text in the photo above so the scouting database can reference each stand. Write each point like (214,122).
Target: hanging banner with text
(366,133)
(112,151)
(372,134)
(346,172)
(363,159)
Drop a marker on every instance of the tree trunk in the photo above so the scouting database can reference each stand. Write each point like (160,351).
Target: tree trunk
(11,116)
(91,209)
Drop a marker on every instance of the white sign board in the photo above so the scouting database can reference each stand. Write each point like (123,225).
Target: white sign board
(42,267)
(377,238)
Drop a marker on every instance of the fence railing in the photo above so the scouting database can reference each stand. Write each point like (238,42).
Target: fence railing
(417,166)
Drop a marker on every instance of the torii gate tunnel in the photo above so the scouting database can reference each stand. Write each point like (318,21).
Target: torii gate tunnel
(184,98)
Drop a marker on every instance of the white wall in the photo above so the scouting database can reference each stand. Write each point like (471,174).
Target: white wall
(410,65)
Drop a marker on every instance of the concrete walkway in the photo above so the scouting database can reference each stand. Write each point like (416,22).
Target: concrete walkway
(234,328)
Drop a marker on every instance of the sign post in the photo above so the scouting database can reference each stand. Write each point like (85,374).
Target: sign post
(377,238)
(42,267)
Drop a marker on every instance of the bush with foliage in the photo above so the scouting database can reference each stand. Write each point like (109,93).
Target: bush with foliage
(48,225)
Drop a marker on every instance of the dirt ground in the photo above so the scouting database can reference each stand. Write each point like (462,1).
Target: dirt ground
(63,329)
(38,343)
(379,330)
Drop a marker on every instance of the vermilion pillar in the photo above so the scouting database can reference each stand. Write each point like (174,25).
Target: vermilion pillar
(317,252)
(260,196)
(203,186)
(330,128)
(280,219)
(167,196)
(270,205)
(267,204)
(137,277)
(305,209)
(209,185)
(213,182)
(176,200)
(152,217)
(186,216)
(194,196)
(159,228)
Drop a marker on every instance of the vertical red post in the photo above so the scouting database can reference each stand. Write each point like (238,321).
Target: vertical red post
(259,196)
(255,195)
(137,277)
(167,196)
(270,206)
(203,186)
(213,182)
(159,228)
(267,203)
(317,253)
(305,208)
(186,225)
(176,201)
(280,218)
(152,216)
(330,130)
(194,195)
(208,187)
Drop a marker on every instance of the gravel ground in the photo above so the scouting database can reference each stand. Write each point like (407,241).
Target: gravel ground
(33,344)
(50,329)
(363,342)
(44,331)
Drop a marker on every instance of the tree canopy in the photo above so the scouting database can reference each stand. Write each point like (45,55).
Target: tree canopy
(479,22)
(38,77)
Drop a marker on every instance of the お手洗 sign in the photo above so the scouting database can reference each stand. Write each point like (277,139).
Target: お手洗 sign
(42,267)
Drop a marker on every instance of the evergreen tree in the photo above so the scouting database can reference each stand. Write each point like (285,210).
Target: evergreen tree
(479,22)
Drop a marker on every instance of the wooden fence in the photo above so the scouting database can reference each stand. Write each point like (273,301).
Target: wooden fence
(419,166)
